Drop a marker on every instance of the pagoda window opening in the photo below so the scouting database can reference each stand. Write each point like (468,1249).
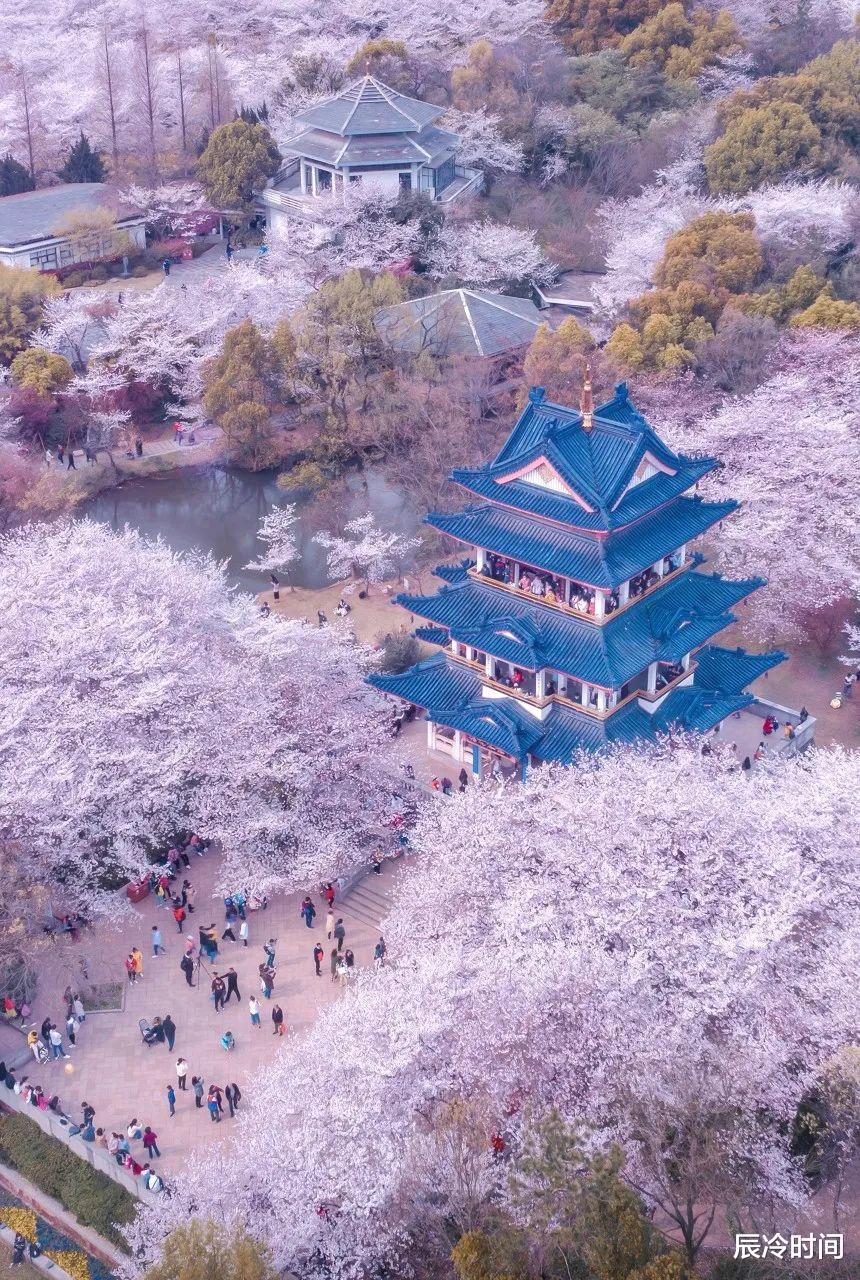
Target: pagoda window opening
(512,677)
(667,672)
(641,582)
(459,650)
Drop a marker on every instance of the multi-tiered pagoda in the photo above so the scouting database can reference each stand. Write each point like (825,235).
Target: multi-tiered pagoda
(581,617)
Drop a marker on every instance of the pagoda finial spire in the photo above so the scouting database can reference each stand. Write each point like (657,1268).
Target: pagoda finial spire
(586,400)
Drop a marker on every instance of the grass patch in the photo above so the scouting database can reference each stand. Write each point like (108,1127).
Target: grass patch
(101,996)
(95,1200)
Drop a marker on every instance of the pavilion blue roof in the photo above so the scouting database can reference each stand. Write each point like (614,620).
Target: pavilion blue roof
(664,625)
(697,710)
(597,464)
(733,669)
(644,498)
(451,694)
(599,562)
(502,723)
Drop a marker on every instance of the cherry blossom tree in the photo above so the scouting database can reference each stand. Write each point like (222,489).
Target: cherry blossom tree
(481,141)
(277,532)
(651,990)
(366,552)
(791,454)
(140,697)
(487,253)
(73,322)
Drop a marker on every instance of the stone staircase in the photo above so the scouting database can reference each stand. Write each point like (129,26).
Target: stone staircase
(369,899)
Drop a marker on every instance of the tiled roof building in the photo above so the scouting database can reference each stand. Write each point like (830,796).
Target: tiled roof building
(580,617)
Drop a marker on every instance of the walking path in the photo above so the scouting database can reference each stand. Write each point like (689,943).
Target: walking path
(112,1069)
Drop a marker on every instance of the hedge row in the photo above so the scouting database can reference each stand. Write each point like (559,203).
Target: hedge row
(95,1200)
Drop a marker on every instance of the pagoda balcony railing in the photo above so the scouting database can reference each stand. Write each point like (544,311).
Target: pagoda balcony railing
(522,696)
(569,610)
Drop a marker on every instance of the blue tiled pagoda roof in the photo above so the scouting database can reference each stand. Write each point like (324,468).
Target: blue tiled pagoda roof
(597,465)
(641,500)
(598,562)
(664,625)
(451,694)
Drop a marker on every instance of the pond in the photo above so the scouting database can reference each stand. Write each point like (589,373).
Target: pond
(218,509)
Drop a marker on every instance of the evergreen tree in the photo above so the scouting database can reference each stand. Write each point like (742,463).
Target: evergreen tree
(14,178)
(238,159)
(83,164)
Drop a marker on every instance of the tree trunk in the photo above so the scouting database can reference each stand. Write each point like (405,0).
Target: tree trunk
(182,108)
(148,96)
(111,105)
(27,124)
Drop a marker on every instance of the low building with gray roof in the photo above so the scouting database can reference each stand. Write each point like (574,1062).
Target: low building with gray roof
(473,322)
(31,225)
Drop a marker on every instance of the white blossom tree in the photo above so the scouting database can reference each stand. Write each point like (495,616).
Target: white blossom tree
(277,532)
(487,253)
(652,944)
(791,454)
(364,551)
(72,323)
(138,696)
(481,142)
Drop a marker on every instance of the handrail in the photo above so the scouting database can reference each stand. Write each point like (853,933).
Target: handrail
(567,609)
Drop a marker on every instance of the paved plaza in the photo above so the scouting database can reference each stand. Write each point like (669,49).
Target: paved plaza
(110,1066)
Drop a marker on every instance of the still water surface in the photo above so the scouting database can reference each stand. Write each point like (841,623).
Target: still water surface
(218,509)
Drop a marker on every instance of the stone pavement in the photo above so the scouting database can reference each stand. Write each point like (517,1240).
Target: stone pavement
(115,1072)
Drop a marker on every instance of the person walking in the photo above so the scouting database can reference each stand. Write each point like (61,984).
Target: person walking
(254,1010)
(137,957)
(463,779)
(182,1074)
(232,986)
(150,1141)
(349,958)
(130,969)
(333,962)
(319,956)
(340,933)
(269,949)
(179,916)
(219,990)
(70,462)
(171,1099)
(169,1028)
(307,911)
(243,932)
(229,252)
(186,964)
(189,893)
(267,980)
(276,586)
(197,1089)
(165,266)
(79,1010)
(379,954)
(157,946)
(212,1107)
(71,1029)
(329,923)
(233,1096)
(277,1020)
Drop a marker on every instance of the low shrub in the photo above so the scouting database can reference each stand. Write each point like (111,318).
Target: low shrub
(94,1199)
(101,274)
(140,271)
(74,279)
(399,652)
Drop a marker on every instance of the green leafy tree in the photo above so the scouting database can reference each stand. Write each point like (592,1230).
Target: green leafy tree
(14,177)
(39,370)
(238,159)
(387,59)
(22,294)
(556,360)
(83,163)
(717,249)
(828,312)
(205,1251)
(588,25)
(762,145)
(242,387)
(681,46)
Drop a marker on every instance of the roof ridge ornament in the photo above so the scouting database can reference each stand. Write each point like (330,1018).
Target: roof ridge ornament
(586,400)
(537,395)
